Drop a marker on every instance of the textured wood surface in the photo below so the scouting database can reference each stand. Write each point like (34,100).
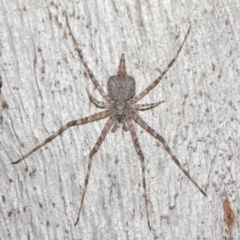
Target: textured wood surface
(43,83)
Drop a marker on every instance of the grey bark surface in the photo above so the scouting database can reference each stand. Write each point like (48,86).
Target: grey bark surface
(44,81)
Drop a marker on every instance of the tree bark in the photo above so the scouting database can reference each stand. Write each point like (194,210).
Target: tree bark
(44,82)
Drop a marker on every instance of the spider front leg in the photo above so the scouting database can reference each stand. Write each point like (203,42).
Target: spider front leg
(104,132)
(92,118)
(145,126)
(140,154)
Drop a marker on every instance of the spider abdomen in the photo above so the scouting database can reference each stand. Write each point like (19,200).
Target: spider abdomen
(121,87)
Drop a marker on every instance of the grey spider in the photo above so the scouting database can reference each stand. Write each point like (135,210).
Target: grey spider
(121,108)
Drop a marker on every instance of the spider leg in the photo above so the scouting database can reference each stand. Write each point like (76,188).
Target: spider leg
(92,118)
(153,85)
(145,126)
(115,127)
(140,154)
(102,136)
(96,102)
(146,106)
(125,126)
(90,74)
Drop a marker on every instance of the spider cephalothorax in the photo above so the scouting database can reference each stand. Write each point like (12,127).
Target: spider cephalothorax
(121,108)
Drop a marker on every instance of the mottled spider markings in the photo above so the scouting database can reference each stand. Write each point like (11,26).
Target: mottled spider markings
(121,108)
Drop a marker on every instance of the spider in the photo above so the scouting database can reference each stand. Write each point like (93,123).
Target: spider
(121,108)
